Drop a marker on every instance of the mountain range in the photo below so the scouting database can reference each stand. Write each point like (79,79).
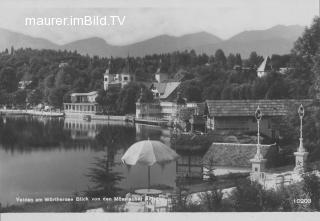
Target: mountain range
(276,40)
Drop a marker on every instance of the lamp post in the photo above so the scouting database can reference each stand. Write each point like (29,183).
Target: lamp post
(301,154)
(301,115)
(258,116)
(258,162)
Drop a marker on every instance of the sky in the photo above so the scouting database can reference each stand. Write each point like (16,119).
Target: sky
(149,18)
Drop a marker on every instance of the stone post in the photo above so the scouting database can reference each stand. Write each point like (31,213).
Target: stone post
(301,154)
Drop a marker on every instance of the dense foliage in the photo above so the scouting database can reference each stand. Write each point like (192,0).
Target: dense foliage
(249,196)
(56,74)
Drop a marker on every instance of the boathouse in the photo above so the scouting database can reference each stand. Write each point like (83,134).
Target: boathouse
(238,115)
(82,103)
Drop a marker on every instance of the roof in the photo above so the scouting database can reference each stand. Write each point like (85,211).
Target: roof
(232,154)
(166,88)
(265,65)
(85,94)
(235,108)
(199,107)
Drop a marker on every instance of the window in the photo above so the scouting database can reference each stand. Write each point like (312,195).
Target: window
(125,78)
(106,79)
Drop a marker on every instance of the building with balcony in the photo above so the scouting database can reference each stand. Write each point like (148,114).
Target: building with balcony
(82,103)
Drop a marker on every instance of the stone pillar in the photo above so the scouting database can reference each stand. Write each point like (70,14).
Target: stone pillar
(301,158)
(258,166)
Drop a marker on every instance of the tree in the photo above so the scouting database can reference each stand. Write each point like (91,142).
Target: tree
(259,88)
(212,93)
(212,201)
(56,95)
(126,102)
(238,60)
(251,197)
(308,44)
(316,70)
(247,197)
(12,50)
(4,97)
(35,97)
(108,99)
(278,88)
(254,60)
(220,59)
(311,186)
(191,90)
(65,76)
(8,79)
(105,180)
(19,97)
(231,61)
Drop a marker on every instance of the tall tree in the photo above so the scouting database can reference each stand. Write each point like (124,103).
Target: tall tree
(8,80)
(254,60)
(308,44)
(238,59)
(220,58)
(231,61)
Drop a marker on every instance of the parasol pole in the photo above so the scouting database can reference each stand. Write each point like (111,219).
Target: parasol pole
(148,177)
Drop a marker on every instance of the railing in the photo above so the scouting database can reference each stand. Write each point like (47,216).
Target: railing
(269,180)
(158,119)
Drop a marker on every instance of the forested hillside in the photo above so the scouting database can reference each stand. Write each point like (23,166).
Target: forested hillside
(210,76)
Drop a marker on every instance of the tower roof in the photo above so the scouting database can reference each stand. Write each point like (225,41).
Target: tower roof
(265,65)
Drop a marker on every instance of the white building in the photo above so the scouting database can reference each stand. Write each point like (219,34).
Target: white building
(117,80)
(82,103)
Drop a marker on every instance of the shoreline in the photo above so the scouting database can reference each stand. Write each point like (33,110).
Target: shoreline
(88,117)
(31,112)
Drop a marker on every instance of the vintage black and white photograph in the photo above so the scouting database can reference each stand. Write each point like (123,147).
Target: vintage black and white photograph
(159,106)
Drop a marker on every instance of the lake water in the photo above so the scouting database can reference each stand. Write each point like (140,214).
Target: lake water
(41,157)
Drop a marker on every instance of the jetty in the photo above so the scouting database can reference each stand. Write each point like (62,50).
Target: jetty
(151,121)
(31,112)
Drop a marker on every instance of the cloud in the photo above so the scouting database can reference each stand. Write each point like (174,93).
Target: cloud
(149,18)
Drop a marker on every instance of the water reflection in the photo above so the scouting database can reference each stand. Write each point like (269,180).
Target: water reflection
(23,134)
(41,156)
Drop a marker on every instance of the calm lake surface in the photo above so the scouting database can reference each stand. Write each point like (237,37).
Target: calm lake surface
(41,157)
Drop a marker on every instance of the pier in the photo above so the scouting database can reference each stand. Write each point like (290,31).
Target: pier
(31,112)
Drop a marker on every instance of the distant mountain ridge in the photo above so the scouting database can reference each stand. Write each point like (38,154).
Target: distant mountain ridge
(276,40)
